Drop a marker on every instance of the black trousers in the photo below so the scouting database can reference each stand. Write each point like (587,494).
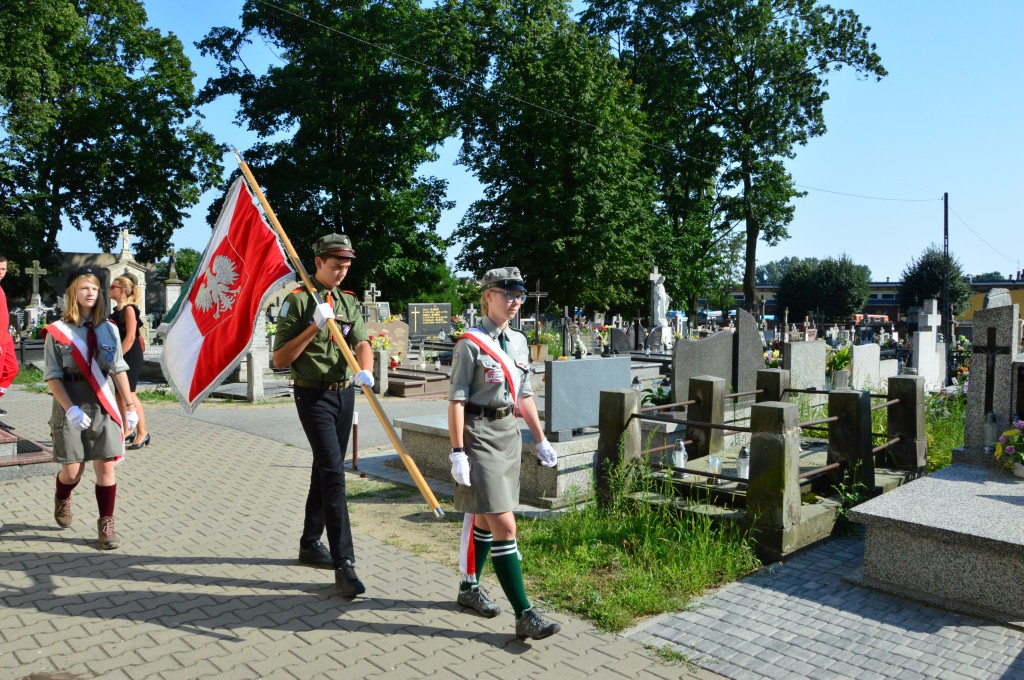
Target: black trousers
(326,418)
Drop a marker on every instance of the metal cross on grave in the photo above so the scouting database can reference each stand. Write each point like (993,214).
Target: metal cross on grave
(537,295)
(36,271)
(990,351)
(372,294)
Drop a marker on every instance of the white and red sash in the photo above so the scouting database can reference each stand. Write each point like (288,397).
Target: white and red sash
(489,347)
(63,334)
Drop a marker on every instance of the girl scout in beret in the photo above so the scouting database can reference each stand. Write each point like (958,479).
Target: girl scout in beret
(81,350)
(490,387)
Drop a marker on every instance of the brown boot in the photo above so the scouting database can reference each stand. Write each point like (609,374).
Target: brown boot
(62,512)
(108,537)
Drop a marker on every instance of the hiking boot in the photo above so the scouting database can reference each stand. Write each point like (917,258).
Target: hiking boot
(62,512)
(107,536)
(534,626)
(346,581)
(476,599)
(316,555)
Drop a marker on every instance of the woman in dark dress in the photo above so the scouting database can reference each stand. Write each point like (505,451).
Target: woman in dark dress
(126,317)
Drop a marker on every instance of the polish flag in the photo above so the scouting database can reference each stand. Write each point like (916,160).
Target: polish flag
(213,326)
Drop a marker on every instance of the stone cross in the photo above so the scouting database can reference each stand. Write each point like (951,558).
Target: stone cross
(125,237)
(36,271)
(372,294)
(537,295)
(172,273)
(471,312)
(989,351)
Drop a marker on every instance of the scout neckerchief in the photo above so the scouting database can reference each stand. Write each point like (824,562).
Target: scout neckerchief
(63,334)
(487,345)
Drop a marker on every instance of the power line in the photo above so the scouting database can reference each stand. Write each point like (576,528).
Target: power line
(978,236)
(871,198)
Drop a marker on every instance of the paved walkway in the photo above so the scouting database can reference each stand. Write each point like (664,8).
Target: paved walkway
(206,585)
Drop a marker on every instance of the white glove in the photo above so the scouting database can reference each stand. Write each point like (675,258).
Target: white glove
(131,419)
(460,467)
(78,419)
(363,378)
(546,454)
(322,313)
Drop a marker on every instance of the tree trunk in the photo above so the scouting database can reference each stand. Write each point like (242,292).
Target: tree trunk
(753,232)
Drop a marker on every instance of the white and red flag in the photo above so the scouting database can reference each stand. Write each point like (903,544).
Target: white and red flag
(212,327)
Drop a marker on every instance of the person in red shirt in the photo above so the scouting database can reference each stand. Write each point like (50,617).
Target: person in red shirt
(8,356)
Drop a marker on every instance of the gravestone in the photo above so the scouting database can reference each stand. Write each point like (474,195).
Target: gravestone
(428,319)
(747,354)
(620,341)
(572,392)
(35,306)
(398,331)
(929,355)
(865,371)
(996,341)
(710,356)
(805,362)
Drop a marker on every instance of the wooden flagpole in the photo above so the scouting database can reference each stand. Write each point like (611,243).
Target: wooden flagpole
(350,359)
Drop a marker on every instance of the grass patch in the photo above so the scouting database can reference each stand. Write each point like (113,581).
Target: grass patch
(28,375)
(945,416)
(616,565)
(668,655)
(157,395)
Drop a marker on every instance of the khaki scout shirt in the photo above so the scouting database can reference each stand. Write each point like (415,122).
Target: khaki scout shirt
(322,359)
(478,379)
(57,358)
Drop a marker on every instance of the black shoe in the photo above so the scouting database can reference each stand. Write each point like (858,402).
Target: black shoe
(476,599)
(346,581)
(3,412)
(534,626)
(139,445)
(130,438)
(316,555)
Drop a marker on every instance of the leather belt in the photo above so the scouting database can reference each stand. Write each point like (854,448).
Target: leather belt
(495,413)
(75,377)
(320,385)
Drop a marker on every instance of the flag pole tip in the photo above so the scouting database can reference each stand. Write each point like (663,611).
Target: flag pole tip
(438,512)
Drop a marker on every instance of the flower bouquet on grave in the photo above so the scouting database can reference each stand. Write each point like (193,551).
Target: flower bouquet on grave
(604,334)
(458,328)
(1010,449)
(772,358)
(381,341)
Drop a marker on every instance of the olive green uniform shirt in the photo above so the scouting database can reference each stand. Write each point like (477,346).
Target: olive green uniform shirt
(478,379)
(322,359)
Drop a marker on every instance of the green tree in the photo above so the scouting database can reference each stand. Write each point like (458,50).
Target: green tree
(989,276)
(924,278)
(185,262)
(796,290)
(97,127)
(345,123)
(751,74)
(771,273)
(841,288)
(553,130)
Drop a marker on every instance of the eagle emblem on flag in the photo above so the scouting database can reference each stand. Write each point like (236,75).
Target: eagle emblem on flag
(216,289)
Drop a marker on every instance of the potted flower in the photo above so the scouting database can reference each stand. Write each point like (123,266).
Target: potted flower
(838,368)
(458,328)
(772,358)
(1010,449)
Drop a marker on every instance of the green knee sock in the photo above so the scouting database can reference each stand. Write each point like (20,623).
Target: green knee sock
(481,549)
(505,557)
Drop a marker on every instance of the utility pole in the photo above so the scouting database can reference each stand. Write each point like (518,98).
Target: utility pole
(947,308)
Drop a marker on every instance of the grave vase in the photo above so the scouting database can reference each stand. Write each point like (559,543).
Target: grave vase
(841,379)
(1018,470)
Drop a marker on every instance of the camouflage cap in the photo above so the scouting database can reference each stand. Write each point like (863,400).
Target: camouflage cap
(507,278)
(338,245)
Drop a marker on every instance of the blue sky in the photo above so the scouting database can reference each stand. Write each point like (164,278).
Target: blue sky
(946,119)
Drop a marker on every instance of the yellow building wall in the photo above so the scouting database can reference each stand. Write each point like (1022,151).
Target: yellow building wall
(978,303)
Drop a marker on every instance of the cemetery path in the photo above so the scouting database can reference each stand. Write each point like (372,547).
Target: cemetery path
(206,583)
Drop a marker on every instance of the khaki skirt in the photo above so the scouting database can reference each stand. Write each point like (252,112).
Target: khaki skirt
(494,448)
(101,440)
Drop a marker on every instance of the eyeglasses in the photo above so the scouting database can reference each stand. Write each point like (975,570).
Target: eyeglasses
(513,297)
(118,287)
